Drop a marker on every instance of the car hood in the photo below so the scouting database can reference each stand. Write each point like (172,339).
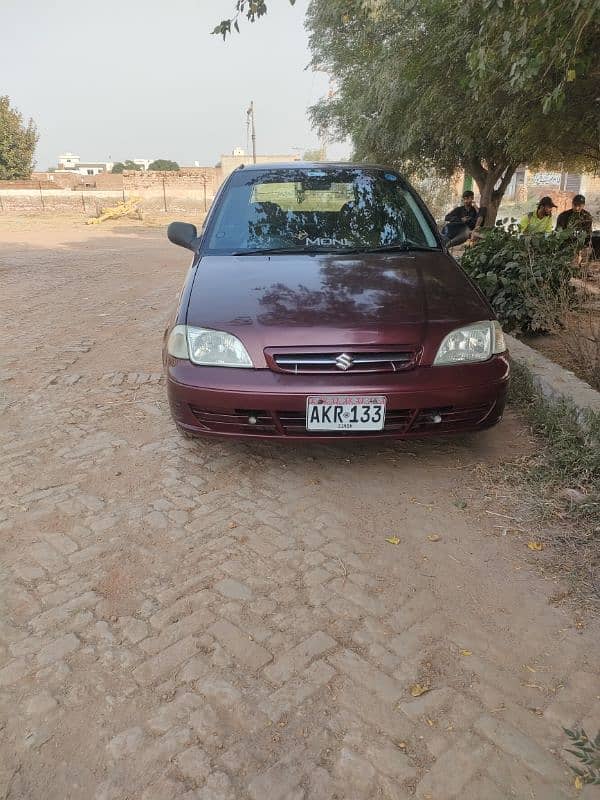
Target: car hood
(328,300)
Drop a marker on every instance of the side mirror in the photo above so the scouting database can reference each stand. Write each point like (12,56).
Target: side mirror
(184,234)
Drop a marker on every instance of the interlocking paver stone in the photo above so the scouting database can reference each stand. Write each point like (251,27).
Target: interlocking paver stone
(299,657)
(362,672)
(280,779)
(194,764)
(240,644)
(513,742)
(165,662)
(58,649)
(297,690)
(454,769)
(233,589)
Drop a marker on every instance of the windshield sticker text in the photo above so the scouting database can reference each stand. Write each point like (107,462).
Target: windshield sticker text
(327,241)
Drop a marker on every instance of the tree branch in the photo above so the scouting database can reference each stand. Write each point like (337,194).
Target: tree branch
(506,179)
(251,9)
(477,170)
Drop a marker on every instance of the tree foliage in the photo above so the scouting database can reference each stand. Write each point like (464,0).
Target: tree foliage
(128,164)
(318,154)
(554,40)
(550,46)
(17,142)
(408,94)
(251,9)
(164,165)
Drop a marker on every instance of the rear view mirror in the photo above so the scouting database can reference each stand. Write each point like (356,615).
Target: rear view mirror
(184,234)
(316,185)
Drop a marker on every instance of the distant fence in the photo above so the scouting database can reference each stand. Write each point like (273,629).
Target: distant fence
(189,190)
(159,198)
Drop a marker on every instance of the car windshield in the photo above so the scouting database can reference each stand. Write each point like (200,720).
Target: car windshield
(329,209)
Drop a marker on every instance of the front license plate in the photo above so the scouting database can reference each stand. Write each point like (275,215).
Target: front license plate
(345,413)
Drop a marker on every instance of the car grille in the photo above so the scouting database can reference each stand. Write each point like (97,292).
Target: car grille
(293,423)
(236,421)
(342,361)
(451,417)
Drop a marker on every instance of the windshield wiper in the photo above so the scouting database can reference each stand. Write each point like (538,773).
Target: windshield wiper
(401,247)
(275,251)
(384,248)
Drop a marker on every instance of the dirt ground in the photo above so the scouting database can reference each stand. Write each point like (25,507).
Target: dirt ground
(226,621)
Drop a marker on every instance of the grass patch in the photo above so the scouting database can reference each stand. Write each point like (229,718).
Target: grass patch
(563,483)
(570,458)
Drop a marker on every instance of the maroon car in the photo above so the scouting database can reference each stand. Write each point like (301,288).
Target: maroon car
(321,303)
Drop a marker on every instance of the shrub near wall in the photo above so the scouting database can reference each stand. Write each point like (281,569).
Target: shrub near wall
(525,278)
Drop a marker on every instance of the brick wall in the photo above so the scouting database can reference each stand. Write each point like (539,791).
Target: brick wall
(65,180)
(181,181)
(60,201)
(30,185)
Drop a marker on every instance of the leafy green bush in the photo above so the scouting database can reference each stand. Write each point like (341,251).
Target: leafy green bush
(525,278)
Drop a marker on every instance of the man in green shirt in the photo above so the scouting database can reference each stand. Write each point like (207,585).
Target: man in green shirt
(540,220)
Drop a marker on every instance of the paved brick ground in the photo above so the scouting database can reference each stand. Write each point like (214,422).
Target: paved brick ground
(221,620)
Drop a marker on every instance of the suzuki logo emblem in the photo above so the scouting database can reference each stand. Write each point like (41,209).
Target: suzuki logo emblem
(343,361)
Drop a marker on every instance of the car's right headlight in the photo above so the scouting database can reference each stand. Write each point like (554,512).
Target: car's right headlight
(207,347)
(475,342)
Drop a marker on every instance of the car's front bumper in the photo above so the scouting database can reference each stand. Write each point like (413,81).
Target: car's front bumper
(221,401)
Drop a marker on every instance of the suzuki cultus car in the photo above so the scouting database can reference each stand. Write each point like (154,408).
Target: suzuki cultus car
(321,303)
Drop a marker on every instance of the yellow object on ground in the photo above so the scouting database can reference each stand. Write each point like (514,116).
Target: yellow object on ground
(114,212)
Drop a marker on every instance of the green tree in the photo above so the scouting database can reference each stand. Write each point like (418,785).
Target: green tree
(407,94)
(17,143)
(126,165)
(318,154)
(163,164)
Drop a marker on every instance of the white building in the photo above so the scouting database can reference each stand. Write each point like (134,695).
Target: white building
(144,163)
(69,162)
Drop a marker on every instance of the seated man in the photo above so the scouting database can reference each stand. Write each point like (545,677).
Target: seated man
(466,216)
(576,219)
(540,220)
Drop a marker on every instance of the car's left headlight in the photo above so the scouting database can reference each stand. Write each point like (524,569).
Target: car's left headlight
(475,342)
(207,347)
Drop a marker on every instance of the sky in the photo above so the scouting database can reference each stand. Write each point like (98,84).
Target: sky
(121,79)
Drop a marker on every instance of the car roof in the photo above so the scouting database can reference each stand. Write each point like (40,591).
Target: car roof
(315,165)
